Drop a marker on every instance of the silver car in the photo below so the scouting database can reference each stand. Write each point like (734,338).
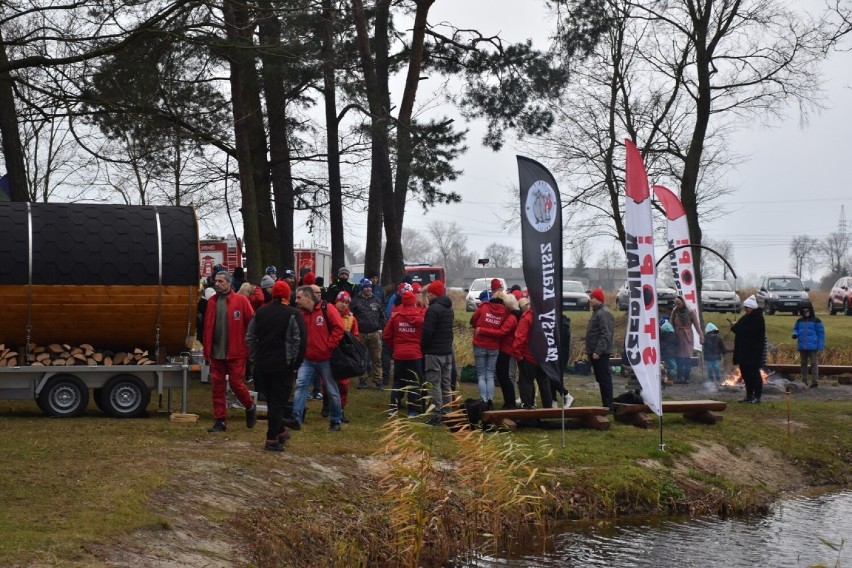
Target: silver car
(665,297)
(574,296)
(719,296)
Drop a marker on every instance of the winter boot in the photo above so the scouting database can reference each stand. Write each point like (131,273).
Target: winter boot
(251,417)
(273,446)
(218,426)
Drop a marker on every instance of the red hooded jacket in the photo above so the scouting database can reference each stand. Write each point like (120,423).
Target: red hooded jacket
(521,348)
(321,339)
(240,313)
(494,321)
(403,332)
(507,342)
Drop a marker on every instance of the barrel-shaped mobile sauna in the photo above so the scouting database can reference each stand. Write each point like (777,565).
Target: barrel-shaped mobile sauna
(118,277)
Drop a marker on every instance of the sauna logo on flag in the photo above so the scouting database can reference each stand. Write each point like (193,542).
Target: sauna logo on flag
(539,207)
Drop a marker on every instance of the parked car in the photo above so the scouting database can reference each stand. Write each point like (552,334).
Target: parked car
(665,297)
(840,298)
(476,287)
(719,296)
(575,296)
(780,292)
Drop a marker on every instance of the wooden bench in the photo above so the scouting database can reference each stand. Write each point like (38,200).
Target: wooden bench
(694,410)
(580,416)
(789,369)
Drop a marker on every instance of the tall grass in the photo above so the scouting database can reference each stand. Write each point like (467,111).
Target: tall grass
(497,488)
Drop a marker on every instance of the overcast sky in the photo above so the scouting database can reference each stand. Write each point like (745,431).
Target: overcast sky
(792,182)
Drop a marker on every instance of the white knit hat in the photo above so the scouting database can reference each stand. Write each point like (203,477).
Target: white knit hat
(750,302)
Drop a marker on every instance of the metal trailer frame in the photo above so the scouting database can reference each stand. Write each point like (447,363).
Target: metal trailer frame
(125,383)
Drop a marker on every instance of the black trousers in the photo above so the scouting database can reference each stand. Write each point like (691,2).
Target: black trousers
(527,373)
(278,386)
(603,376)
(506,386)
(753,381)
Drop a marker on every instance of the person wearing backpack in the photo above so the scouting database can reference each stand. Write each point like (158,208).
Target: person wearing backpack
(324,329)
(350,324)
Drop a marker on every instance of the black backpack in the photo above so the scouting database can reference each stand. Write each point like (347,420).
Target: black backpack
(350,358)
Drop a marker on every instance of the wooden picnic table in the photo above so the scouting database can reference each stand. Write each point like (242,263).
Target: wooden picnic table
(694,410)
(595,417)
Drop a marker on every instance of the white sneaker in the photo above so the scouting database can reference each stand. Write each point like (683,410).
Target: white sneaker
(569,400)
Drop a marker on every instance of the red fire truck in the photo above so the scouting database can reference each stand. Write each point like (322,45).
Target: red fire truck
(227,251)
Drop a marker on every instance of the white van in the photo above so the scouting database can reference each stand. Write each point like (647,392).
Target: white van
(476,288)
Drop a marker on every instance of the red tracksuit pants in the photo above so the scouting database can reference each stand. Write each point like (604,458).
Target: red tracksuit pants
(235,369)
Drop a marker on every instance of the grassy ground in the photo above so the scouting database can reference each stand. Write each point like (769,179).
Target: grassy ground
(96,491)
(90,491)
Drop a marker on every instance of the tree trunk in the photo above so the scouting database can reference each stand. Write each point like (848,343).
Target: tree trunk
(335,193)
(381,177)
(261,237)
(13,151)
(243,79)
(393,224)
(692,161)
(280,251)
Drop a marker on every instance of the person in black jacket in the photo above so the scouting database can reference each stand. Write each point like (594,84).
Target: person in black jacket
(436,343)
(370,313)
(277,339)
(749,345)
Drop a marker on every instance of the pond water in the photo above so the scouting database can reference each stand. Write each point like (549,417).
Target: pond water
(789,535)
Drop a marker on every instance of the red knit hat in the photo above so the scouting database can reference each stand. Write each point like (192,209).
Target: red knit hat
(280,290)
(436,288)
(409,299)
(598,295)
(517,294)
(496,284)
(343,296)
(309,279)
(416,288)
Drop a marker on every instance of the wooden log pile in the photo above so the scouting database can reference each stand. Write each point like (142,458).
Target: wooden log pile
(63,354)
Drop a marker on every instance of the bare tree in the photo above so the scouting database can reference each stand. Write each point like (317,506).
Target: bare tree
(417,246)
(501,255)
(611,268)
(835,253)
(451,245)
(802,248)
(676,77)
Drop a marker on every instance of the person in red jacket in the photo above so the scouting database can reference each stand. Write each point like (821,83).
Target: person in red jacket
(491,322)
(507,345)
(324,329)
(402,334)
(225,324)
(350,324)
(529,371)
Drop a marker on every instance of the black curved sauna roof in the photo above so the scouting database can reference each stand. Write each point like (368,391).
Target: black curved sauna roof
(107,245)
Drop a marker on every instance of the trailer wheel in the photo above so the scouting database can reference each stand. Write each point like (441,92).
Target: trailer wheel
(125,396)
(64,396)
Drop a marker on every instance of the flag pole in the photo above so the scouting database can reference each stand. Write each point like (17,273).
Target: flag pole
(563,418)
(662,445)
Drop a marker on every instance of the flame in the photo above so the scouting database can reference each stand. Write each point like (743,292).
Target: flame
(735,378)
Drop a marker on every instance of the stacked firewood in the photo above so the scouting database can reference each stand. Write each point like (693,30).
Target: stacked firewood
(63,354)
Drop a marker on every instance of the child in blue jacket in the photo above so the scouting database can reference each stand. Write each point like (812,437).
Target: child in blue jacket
(810,332)
(714,349)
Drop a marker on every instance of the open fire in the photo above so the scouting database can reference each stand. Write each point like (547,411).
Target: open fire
(734,378)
